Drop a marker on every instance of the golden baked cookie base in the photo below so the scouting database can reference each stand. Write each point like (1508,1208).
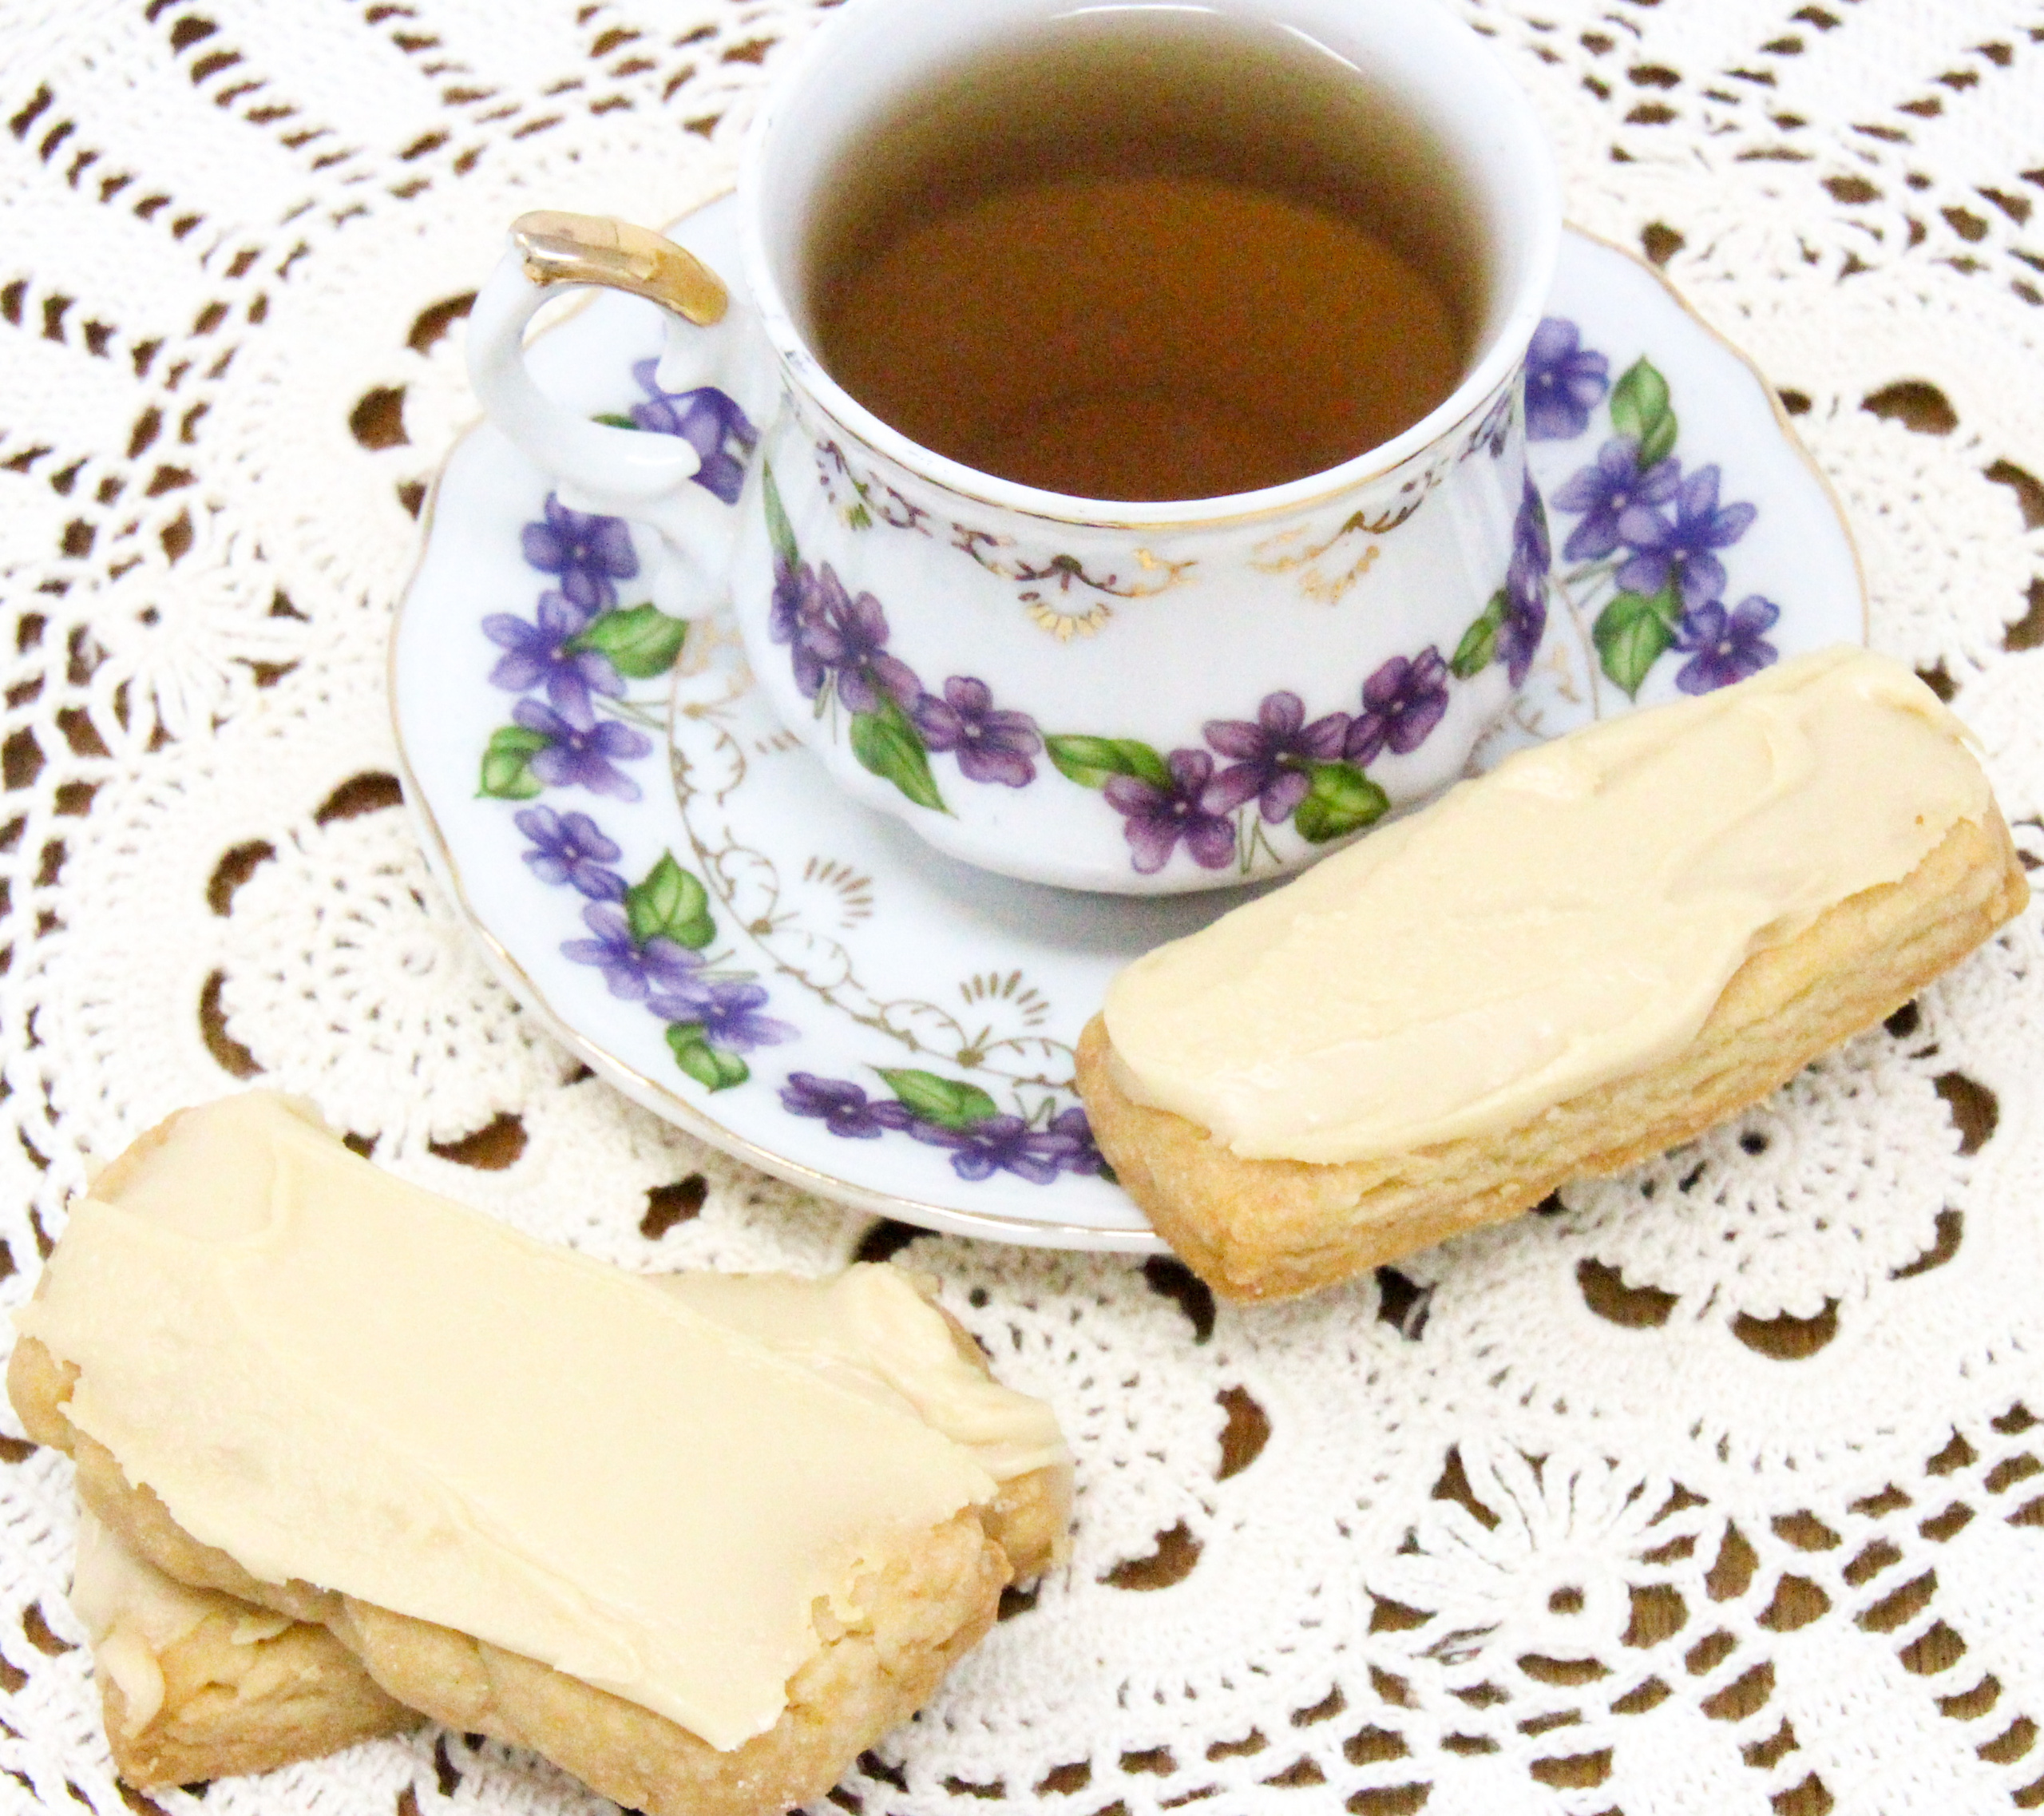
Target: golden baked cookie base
(925,1606)
(1272,1229)
(231,1707)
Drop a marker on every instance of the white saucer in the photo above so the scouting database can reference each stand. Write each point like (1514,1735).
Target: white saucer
(923,1013)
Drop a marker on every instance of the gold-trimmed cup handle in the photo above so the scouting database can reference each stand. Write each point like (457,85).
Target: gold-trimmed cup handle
(554,248)
(683,531)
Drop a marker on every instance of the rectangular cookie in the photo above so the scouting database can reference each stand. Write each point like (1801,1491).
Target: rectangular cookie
(1682,908)
(505,1478)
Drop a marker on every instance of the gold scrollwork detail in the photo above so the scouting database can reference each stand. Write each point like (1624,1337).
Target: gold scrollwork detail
(1063,616)
(1065,572)
(1065,621)
(806,922)
(1293,551)
(1054,589)
(873,500)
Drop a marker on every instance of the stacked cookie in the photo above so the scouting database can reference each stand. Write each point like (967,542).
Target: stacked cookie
(352,1454)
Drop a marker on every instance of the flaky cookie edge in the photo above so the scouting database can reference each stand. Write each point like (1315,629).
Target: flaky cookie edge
(1256,1230)
(235,1709)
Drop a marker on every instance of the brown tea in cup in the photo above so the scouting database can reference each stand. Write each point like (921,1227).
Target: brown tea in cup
(1147,254)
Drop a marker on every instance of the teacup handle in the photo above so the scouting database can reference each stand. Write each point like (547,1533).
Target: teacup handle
(617,472)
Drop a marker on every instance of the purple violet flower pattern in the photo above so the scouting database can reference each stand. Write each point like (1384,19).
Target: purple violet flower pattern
(647,940)
(991,746)
(1085,1156)
(1270,754)
(1000,1143)
(1645,554)
(582,751)
(980,1144)
(632,969)
(1158,818)
(1402,702)
(536,653)
(589,553)
(707,419)
(846,639)
(1723,648)
(1526,588)
(1564,381)
(1605,490)
(571,848)
(981,1141)
(582,648)
(798,603)
(844,1106)
(1292,767)
(1683,546)
(728,1013)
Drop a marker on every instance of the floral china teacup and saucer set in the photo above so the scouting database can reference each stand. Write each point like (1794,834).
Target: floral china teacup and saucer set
(812,776)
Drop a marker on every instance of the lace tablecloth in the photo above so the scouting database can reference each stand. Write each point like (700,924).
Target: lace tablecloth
(1715,1491)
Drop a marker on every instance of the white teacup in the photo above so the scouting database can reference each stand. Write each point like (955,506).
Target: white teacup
(1136,696)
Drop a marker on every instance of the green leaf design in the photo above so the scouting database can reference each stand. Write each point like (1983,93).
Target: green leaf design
(612,419)
(1639,408)
(1480,643)
(779,531)
(886,742)
(714,1068)
(859,517)
(1660,441)
(1089,761)
(641,642)
(1631,632)
(1341,800)
(950,1103)
(507,774)
(670,904)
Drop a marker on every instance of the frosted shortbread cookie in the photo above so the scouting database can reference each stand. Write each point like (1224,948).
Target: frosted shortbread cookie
(536,1497)
(196,1683)
(1590,954)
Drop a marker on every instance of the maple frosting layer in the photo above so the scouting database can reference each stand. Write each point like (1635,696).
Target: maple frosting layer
(337,1376)
(869,1329)
(1569,918)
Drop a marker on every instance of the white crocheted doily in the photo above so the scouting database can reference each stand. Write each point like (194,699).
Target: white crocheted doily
(1713,1491)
